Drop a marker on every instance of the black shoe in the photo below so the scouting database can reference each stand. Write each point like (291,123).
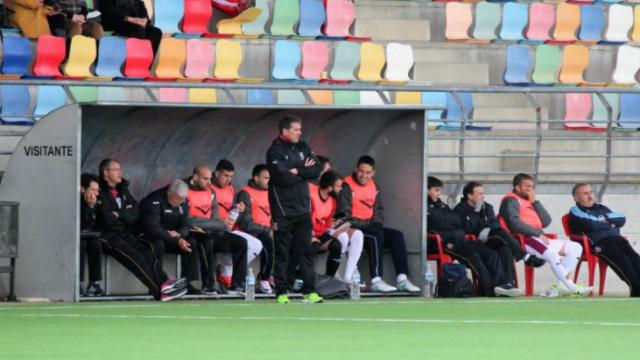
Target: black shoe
(208,288)
(534,261)
(191,290)
(237,290)
(94,290)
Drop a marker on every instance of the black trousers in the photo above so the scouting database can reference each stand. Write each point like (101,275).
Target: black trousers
(623,260)
(91,249)
(376,239)
(293,235)
(137,257)
(335,252)
(190,266)
(236,245)
(483,261)
(266,256)
(149,32)
(501,237)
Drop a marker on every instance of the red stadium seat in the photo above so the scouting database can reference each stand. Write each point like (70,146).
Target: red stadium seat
(51,52)
(139,58)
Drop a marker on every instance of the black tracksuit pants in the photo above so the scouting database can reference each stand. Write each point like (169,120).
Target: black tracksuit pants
(189,261)
(137,257)
(376,239)
(236,245)
(483,262)
(622,258)
(508,249)
(266,257)
(91,250)
(293,236)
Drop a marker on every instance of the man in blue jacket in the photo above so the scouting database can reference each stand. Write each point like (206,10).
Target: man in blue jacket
(602,227)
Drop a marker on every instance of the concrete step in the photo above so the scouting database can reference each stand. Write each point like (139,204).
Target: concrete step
(451,73)
(394,30)
(526,115)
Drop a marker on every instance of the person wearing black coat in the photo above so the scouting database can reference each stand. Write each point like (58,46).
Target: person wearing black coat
(129,18)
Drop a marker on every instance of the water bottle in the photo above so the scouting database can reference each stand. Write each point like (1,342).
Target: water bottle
(428,282)
(250,291)
(355,285)
(233,214)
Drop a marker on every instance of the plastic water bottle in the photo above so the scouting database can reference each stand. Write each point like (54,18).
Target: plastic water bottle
(250,291)
(233,214)
(355,285)
(429,282)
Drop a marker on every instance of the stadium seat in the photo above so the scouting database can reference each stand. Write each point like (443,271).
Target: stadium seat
(541,19)
(455,113)
(82,55)
(321,97)
(16,56)
(548,61)
(587,255)
(291,97)
(629,112)
(567,23)
(340,16)
(372,60)
(577,109)
(346,60)
(256,27)
(167,15)
(441,258)
(15,105)
(458,17)
(199,59)
(259,97)
(286,60)
(315,59)
(627,64)
(171,56)
(600,116)
(487,19)
(84,94)
(233,26)
(619,24)
(635,34)
(111,55)
(177,95)
(312,17)
(203,96)
(49,98)
(399,63)
(518,65)
(608,1)
(575,60)
(408,98)
(228,60)
(345,97)
(370,98)
(515,17)
(434,117)
(111,94)
(51,51)
(592,23)
(197,15)
(139,58)
(285,16)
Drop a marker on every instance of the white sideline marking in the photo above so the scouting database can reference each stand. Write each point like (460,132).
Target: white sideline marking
(328,319)
(418,301)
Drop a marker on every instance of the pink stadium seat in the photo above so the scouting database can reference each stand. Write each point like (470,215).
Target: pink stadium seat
(315,58)
(139,58)
(340,15)
(172,95)
(199,59)
(578,108)
(541,19)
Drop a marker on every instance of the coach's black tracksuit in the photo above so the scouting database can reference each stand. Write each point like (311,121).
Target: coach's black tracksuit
(90,246)
(291,210)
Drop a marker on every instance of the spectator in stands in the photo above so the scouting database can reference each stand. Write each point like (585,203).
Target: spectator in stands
(229,210)
(213,234)
(70,19)
(129,18)
(164,220)
(90,243)
(117,215)
(479,220)
(30,16)
(522,213)
(292,164)
(482,261)
(602,227)
(256,221)
(330,234)
(360,202)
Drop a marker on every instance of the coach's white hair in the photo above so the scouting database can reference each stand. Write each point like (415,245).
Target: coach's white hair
(179,188)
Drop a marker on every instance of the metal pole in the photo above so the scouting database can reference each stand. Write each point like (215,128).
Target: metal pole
(423,228)
(12,280)
(607,164)
(463,132)
(536,156)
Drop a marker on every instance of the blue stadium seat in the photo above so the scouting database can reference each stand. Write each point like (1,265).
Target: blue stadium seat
(15,105)
(312,16)
(454,112)
(514,19)
(434,117)
(112,53)
(17,55)
(518,65)
(259,97)
(167,15)
(286,60)
(629,111)
(50,97)
(591,23)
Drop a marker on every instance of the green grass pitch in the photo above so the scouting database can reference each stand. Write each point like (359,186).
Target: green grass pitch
(398,328)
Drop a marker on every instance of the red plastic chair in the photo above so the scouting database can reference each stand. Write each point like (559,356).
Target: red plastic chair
(587,255)
(197,15)
(139,58)
(440,257)
(51,52)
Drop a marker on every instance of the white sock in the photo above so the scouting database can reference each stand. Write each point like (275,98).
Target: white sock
(376,279)
(254,246)
(553,259)
(572,251)
(400,278)
(355,250)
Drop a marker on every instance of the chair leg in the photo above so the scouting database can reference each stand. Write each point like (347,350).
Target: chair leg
(577,271)
(591,262)
(528,279)
(603,275)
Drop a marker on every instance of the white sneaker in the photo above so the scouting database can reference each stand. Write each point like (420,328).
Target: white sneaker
(264,287)
(583,290)
(507,290)
(381,286)
(406,285)
(552,292)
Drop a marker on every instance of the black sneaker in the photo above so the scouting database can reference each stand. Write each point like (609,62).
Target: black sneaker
(94,290)
(507,290)
(237,290)
(173,294)
(534,261)
(172,285)
(191,290)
